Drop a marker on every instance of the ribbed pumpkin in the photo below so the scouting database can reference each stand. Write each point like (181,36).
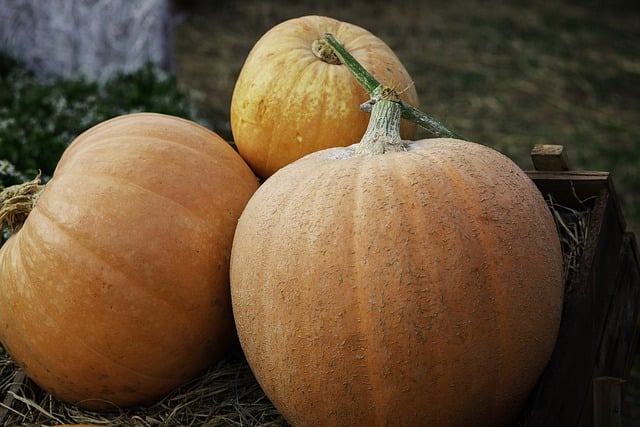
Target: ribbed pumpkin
(292,97)
(413,287)
(115,289)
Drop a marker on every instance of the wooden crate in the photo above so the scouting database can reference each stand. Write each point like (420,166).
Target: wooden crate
(594,353)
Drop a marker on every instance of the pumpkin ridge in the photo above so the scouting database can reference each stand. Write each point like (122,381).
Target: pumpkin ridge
(274,292)
(292,101)
(172,381)
(96,253)
(184,210)
(99,134)
(286,287)
(483,243)
(78,340)
(386,182)
(8,256)
(396,181)
(197,151)
(27,273)
(318,230)
(485,212)
(376,395)
(329,112)
(115,265)
(150,141)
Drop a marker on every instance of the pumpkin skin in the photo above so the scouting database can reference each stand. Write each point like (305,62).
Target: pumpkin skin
(115,289)
(287,102)
(412,288)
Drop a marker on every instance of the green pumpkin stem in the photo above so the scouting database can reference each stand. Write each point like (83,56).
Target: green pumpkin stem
(411,113)
(370,84)
(364,77)
(17,201)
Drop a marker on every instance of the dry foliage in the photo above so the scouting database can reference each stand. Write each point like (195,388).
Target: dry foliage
(226,395)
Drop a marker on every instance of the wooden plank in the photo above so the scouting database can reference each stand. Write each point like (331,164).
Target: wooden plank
(572,189)
(607,402)
(619,341)
(598,335)
(577,189)
(601,315)
(547,157)
(566,384)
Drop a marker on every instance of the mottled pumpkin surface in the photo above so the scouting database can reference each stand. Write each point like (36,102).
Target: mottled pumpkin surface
(413,288)
(287,102)
(115,290)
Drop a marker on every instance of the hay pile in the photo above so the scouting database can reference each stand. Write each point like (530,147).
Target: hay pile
(572,225)
(226,395)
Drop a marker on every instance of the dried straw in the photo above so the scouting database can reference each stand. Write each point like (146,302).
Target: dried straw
(572,226)
(17,201)
(226,395)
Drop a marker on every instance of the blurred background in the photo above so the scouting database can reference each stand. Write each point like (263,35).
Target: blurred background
(507,74)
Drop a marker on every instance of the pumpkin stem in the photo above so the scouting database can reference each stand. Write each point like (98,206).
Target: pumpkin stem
(17,201)
(370,84)
(364,77)
(383,132)
(323,50)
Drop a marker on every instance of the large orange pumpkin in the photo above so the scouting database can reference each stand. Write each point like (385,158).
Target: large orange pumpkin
(291,98)
(419,287)
(115,289)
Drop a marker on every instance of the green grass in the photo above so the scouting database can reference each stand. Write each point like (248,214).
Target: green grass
(39,119)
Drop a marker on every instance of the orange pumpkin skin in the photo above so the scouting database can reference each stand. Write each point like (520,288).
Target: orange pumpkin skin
(412,288)
(115,290)
(287,102)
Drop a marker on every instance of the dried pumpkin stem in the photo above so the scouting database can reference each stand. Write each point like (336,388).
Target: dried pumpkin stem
(370,84)
(383,132)
(17,201)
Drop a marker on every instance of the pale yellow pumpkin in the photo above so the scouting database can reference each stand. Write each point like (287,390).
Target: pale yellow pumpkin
(291,98)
